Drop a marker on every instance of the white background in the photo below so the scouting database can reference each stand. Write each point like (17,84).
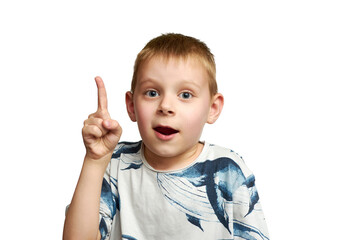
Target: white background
(289,71)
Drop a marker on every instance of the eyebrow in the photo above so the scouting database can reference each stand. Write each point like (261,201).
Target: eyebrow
(192,83)
(146,80)
(184,82)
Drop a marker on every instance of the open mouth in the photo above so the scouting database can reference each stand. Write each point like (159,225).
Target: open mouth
(166,130)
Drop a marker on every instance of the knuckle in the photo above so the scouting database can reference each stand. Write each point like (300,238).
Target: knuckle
(86,122)
(95,131)
(93,121)
(103,112)
(85,131)
(91,130)
(94,128)
(99,121)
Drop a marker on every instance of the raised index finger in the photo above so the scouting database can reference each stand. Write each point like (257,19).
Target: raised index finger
(102,97)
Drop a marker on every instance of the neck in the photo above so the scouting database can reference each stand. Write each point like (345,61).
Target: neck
(173,163)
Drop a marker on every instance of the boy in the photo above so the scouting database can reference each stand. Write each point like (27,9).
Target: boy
(169,185)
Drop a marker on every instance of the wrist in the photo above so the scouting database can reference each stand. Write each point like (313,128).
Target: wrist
(100,163)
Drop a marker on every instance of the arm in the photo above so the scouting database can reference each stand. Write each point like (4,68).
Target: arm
(82,219)
(100,134)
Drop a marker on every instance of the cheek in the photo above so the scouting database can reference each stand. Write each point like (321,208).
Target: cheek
(144,114)
(196,118)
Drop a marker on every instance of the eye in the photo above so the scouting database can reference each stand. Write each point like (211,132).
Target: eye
(151,93)
(185,95)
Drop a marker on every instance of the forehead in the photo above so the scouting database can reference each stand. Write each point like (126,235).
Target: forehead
(173,69)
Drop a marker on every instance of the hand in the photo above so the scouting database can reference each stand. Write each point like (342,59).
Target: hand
(100,132)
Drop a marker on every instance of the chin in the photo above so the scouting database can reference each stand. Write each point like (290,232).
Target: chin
(163,150)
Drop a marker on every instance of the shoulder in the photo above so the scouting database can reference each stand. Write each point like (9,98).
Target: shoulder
(216,152)
(126,148)
(126,155)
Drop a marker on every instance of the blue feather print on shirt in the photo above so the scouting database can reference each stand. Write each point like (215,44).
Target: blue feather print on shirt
(126,147)
(111,200)
(129,148)
(221,177)
(128,237)
(203,190)
(243,230)
(109,196)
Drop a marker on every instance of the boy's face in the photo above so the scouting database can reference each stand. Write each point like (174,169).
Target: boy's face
(171,104)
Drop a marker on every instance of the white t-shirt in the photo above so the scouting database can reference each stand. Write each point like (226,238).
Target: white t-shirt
(213,198)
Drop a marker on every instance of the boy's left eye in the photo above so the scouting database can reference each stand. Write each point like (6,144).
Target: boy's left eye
(185,95)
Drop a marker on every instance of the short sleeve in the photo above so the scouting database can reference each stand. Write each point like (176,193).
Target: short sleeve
(248,217)
(108,204)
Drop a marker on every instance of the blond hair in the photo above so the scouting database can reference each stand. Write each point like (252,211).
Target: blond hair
(178,46)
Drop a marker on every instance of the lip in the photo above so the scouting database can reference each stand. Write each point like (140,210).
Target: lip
(165,132)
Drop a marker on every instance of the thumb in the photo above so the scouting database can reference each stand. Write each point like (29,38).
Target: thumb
(113,126)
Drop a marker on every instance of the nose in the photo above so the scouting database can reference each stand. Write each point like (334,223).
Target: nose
(166,106)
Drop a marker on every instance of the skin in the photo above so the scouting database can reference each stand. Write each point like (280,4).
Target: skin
(173,93)
(100,135)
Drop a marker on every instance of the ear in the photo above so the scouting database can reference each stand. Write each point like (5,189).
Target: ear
(217,104)
(130,105)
